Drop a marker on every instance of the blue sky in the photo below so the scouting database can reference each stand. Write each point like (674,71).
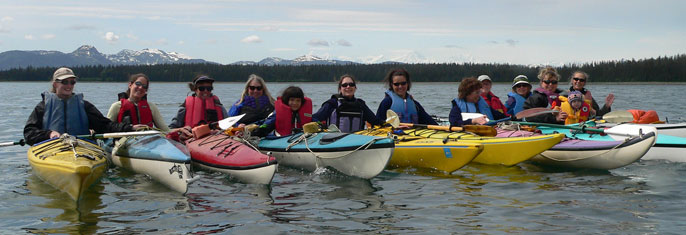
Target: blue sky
(226,31)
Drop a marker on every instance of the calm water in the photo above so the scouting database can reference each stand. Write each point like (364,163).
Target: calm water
(644,197)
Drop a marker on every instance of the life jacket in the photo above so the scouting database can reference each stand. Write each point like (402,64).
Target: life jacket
(587,94)
(133,111)
(643,116)
(255,109)
(285,121)
(518,105)
(551,95)
(405,108)
(480,107)
(348,115)
(578,116)
(495,103)
(199,111)
(65,116)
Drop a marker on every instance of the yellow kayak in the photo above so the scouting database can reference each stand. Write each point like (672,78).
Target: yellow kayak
(420,152)
(506,151)
(68,164)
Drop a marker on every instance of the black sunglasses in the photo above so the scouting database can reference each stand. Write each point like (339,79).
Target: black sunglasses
(67,82)
(203,88)
(399,83)
(348,84)
(521,85)
(550,82)
(579,79)
(252,88)
(141,85)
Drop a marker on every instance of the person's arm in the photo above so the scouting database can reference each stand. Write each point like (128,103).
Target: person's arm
(455,116)
(369,116)
(509,105)
(424,117)
(101,124)
(33,130)
(538,100)
(325,111)
(235,109)
(497,115)
(113,113)
(383,107)
(180,119)
(600,111)
(157,118)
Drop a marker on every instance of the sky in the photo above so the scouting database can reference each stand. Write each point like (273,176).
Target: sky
(225,31)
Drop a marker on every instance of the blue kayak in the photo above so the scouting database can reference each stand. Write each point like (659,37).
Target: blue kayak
(351,154)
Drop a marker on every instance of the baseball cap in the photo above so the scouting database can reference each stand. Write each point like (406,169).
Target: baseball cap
(484,77)
(202,78)
(63,73)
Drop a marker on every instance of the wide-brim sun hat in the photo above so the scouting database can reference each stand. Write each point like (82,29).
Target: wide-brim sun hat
(519,80)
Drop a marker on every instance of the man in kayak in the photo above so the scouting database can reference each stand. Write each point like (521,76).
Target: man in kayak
(346,111)
(399,100)
(63,111)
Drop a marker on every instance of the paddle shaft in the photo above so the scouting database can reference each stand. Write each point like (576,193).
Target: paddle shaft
(532,112)
(581,128)
(477,129)
(12,143)
(119,134)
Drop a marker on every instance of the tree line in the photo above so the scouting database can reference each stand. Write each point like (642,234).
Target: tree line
(661,69)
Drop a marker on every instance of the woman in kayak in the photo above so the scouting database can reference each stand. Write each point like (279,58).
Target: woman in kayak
(544,96)
(202,107)
(469,100)
(345,111)
(291,111)
(491,99)
(256,102)
(578,81)
(521,90)
(133,106)
(396,98)
(62,111)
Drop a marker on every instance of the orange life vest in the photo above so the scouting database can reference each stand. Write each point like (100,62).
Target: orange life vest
(644,117)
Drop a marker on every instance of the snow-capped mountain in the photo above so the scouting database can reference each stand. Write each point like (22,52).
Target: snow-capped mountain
(89,55)
(301,60)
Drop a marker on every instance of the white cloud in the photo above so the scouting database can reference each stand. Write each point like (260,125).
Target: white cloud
(131,36)
(267,28)
(28,37)
(318,43)
(3,24)
(48,36)
(153,17)
(251,39)
(284,49)
(344,43)
(111,37)
(6,19)
(81,27)
(211,41)
(161,41)
(180,42)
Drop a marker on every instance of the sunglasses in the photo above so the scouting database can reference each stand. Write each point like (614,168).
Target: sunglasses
(67,82)
(521,85)
(579,79)
(252,88)
(203,88)
(550,82)
(399,83)
(140,84)
(348,84)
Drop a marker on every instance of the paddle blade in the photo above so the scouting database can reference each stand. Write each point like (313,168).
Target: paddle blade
(467,116)
(621,132)
(619,116)
(392,118)
(226,123)
(481,130)
(532,112)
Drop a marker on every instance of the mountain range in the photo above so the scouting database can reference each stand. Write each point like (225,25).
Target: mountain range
(89,55)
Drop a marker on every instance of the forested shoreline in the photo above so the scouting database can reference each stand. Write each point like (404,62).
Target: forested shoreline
(661,69)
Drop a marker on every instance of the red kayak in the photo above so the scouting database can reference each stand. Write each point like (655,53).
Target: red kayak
(220,152)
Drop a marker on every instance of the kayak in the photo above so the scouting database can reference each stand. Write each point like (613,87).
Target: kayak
(672,129)
(164,160)
(221,152)
(589,154)
(351,154)
(69,164)
(670,144)
(427,153)
(496,150)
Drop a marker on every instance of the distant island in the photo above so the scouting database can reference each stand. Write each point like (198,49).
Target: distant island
(163,66)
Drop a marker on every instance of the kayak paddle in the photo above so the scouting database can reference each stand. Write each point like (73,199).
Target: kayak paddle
(12,143)
(532,112)
(619,130)
(392,118)
(618,116)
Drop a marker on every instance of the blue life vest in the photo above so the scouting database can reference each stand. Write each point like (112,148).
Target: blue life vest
(480,107)
(405,108)
(65,116)
(518,105)
(348,115)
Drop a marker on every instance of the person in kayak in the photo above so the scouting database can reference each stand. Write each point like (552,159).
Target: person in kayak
(399,100)
(291,111)
(544,96)
(491,99)
(345,111)
(521,90)
(201,107)
(469,100)
(63,111)
(577,109)
(256,102)
(133,106)
(578,81)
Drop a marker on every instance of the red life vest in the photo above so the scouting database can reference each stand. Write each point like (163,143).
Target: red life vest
(284,116)
(129,109)
(197,109)
(495,103)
